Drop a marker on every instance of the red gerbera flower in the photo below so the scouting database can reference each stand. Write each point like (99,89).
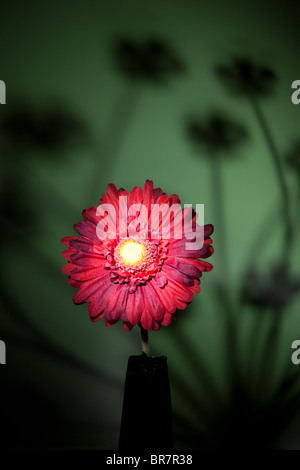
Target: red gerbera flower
(141,271)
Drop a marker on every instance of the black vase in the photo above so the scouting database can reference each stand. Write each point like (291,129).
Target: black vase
(147,412)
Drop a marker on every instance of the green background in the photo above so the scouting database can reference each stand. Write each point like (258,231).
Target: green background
(63,382)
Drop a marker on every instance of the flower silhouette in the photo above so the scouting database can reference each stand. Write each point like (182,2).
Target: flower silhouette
(275,289)
(141,278)
(245,77)
(216,134)
(150,60)
(53,129)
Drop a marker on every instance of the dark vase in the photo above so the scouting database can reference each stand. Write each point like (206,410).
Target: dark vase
(147,412)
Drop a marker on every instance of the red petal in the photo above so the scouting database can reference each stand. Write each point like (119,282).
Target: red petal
(168,318)
(87,246)
(178,248)
(68,268)
(83,273)
(90,214)
(135,196)
(88,230)
(161,279)
(98,302)
(156,326)
(93,315)
(184,267)
(196,288)
(66,240)
(157,192)
(175,199)
(152,303)
(134,306)
(127,326)
(146,320)
(180,291)
(113,196)
(116,303)
(84,259)
(74,283)
(165,296)
(110,322)
(148,196)
(88,289)
(173,273)
(206,266)
(67,253)
(164,199)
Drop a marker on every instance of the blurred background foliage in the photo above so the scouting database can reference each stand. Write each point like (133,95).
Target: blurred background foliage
(197,97)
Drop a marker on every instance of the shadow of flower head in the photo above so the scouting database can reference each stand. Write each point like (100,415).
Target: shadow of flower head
(51,130)
(16,203)
(293,157)
(149,60)
(274,290)
(244,77)
(216,134)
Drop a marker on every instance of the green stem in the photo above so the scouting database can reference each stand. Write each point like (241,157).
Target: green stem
(145,341)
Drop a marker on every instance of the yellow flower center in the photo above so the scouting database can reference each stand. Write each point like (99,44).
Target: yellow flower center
(131,252)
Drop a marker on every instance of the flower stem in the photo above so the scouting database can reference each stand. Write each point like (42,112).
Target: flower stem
(145,341)
(218,195)
(270,354)
(279,173)
(222,247)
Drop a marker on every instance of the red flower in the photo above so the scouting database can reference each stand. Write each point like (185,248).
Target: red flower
(144,277)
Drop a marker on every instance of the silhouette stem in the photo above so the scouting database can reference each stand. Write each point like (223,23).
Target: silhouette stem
(218,198)
(270,352)
(221,249)
(279,173)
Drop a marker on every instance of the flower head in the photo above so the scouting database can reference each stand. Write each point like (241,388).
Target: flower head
(216,134)
(275,290)
(245,77)
(137,257)
(150,60)
(52,129)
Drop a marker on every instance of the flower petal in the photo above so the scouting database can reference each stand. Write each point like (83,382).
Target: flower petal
(86,291)
(116,303)
(148,196)
(134,306)
(152,303)
(84,273)
(165,296)
(173,273)
(88,230)
(98,302)
(68,268)
(66,240)
(184,267)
